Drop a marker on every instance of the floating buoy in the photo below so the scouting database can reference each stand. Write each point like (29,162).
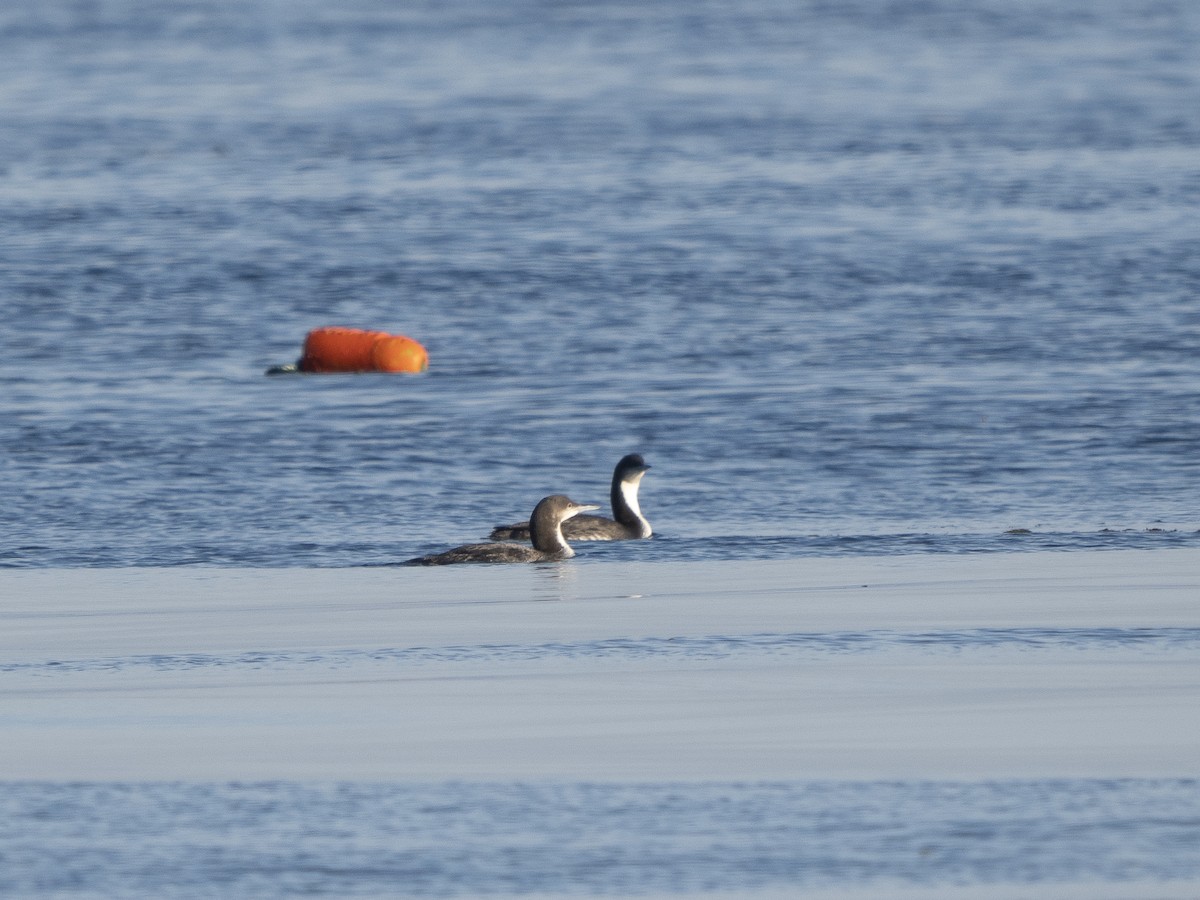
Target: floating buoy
(397,353)
(336,349)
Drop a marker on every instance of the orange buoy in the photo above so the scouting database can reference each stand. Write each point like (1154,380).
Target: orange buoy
(397,353)
(335,349)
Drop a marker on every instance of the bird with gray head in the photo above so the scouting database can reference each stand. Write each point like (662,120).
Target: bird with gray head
(546,534)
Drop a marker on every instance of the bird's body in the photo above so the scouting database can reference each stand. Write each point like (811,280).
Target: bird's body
(546,535)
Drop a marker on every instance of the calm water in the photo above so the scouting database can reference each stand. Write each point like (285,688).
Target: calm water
(855,277)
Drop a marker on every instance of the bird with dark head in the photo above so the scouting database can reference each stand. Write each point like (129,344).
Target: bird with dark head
(627,522)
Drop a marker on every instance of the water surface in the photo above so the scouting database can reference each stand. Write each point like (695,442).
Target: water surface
(285,839)
(858,279)
(855,277)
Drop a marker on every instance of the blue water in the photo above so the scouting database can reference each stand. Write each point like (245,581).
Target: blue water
(802,646)
(854,277)
(455,840)
(861,277)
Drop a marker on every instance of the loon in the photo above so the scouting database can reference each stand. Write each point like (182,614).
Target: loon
(630,523)
(546,534)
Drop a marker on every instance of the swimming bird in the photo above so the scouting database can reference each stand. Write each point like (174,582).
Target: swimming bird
(630,523)
(545,533)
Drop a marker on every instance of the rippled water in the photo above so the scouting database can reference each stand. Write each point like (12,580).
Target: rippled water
(658,649)
(854,277)
(282,840)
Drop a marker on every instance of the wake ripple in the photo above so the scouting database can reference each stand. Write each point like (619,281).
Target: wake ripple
(651,648)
